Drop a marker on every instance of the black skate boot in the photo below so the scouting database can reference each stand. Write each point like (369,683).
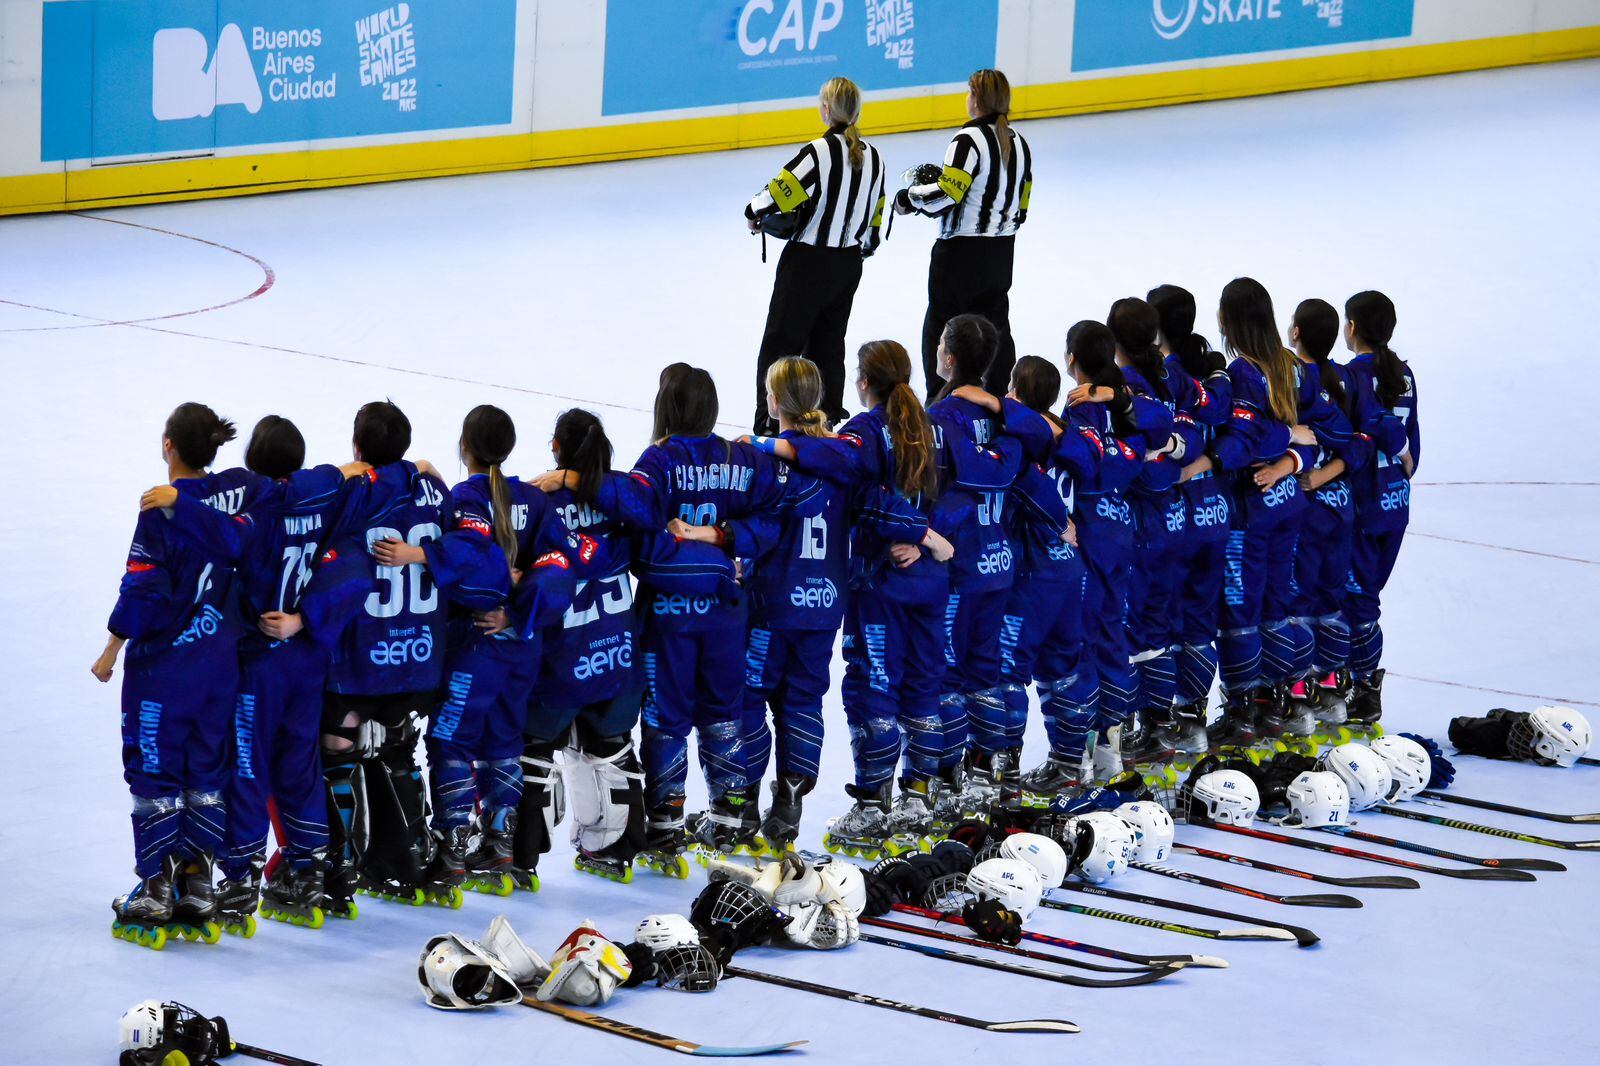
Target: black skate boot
(340,884)
(782,824)
(731,827)
(665,840)
(142,915)
(1189,735)
(1010,797)
(294,894)
(448,870)
(1150,741)
(1235,731)
(237,900)
(1290,718)
(1058,774)
(1366,706)
(863,830)
(194,914)
(489,862)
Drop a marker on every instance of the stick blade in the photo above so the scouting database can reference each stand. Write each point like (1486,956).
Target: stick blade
(1549,866)
(1034,1025)
(710,1052)
(1321,899)
(1479,873)
(1212,962)
(1374,882)
(1255,932)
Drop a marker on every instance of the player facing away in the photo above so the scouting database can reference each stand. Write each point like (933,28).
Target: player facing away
(1386,393)
(176,613)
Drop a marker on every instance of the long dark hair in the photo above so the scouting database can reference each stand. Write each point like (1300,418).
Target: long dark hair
(1318,324)
(582,446)
(1135,325)
(276,448)
(1094,349)
(686,403)
(1250,331)
(1372,315)
(1176,308)
(886,369)
(970,352)
(1037,384)
(196,432)
(488,435)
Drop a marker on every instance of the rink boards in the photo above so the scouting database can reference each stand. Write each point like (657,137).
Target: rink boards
(134,101)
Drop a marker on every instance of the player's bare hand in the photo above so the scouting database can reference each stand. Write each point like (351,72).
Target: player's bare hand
(393,552)
(159,498)
(280,625)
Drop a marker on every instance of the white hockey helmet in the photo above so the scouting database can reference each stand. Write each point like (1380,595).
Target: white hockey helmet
(1409,764)
(1227,796)
(842,883)
(1317,798)
(457,974)
(141,1026)
(1152,829)
(1364,773)
(1102,846)
(1557,736)
(1039,851)
(1012,882)
(658,932)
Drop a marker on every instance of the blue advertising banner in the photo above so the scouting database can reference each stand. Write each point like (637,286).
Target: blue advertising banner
(702,53)
(1129,33)
(148,77)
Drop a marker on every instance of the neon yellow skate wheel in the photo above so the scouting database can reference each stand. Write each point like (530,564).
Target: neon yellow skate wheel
(155,940)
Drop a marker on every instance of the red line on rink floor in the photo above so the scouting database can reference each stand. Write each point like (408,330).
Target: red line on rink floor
(1496,691)
(1503,548)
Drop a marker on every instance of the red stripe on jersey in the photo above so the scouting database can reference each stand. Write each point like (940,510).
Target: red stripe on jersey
(552,559)
(587,546)
(476,525)
(135,567)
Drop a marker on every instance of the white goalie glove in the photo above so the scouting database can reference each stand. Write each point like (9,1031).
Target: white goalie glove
(585,970)
(818,900)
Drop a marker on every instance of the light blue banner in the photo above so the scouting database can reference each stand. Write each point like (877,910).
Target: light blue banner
(147,77)
(1128,33)
(702,53)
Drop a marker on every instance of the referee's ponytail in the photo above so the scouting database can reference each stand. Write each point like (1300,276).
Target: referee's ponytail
(991,93)
(842,100)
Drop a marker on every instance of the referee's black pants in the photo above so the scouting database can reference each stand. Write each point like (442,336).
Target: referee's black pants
(970,275)
(811,299)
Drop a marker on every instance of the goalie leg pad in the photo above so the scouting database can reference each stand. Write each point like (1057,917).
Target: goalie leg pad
(607,794)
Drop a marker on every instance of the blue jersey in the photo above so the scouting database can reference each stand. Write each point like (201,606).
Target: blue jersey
(1383,492)
(1201,410)
(980,462)
(1252,435)
(176,595)
(1042,502)
(387,635)
(1100,498)
(589,653)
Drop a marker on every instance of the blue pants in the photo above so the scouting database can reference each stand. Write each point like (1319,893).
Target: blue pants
(893,657)
(1372,560)
(1153,599)
(1321,572)
(1257,641)
(1107,555)
(474,737)
(1043,643)
(694,677)
(177,722)
(1200,563)
(971,702)
(277,729)
(786,670)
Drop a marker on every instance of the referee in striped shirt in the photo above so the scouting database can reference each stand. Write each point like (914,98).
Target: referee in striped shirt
(834,191)
(980,199)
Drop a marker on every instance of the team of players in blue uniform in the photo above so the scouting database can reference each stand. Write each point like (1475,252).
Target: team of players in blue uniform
(293,632)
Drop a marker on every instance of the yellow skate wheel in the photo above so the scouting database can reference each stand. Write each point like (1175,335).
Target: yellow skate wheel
(210,933)
(155,940)
(829,844)
(247,928)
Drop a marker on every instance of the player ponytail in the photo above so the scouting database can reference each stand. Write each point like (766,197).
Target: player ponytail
(1250,331)
(487,437)
(842,100)
(991,92)
(276,448)
(195,432)
(1371,316)
(1093,350)
(581,445)
(970,351)
(1318,324)
(1176,309)
(1135,325)
(686,403)
(796,385)
(886,369)
(1036,383)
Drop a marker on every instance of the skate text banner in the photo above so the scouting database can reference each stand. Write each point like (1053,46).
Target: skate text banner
(702,53)
(1128,33)
(184,76)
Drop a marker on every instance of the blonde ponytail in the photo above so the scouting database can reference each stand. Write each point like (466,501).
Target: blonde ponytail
(992,93)
(796,385)
(505,534)
(842,100)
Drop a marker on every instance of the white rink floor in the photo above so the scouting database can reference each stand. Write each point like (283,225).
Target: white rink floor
(1469,199)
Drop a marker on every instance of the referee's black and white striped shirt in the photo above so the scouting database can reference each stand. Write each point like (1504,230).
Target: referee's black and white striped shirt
(844,203)
(979,194)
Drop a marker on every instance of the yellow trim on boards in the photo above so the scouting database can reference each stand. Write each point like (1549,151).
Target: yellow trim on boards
(110,186)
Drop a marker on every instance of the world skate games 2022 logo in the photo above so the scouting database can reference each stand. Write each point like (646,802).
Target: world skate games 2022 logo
(166,77)
(704,53)
(1128,33)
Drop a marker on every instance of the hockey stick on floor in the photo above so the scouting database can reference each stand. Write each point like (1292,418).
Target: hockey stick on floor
(1021,952)
(646,1036)
(1306,875)
(1476,874)
(1494,831)
(933,951)
(1252,933)
(1314,899)
(267,1056)
(1033,1025)
(1506,808)
(1304,937)
(1143,961)
(1545,865)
